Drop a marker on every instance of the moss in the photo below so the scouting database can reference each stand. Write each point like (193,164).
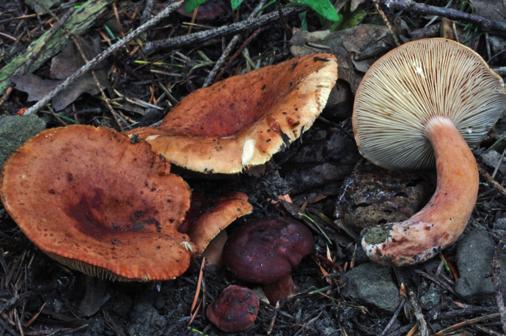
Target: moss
(377,234)
(15,130)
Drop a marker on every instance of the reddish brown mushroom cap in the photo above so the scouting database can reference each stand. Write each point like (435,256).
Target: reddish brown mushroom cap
(91,199)
(208,216)
(266,250)
(235,310)
(243,120)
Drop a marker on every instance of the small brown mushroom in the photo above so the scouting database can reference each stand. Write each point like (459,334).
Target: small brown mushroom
(210,215)
(235,310)
(267,251)
(97,203)
(424,100)
(242,121)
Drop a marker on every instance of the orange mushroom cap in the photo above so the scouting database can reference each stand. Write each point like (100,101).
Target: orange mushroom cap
(208,216)
(98,203)
(243,120)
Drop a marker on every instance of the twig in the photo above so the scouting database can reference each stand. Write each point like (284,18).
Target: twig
(436,280)
(496,280)
(221,60)
(417,311)
(491,180)
(234,28)
(239,51)
(394,317)
(231,45)
(103,55)
(466,323)
(387,22)
(420,8)
(120,120)
(148,8)
(196,304)
(487,330)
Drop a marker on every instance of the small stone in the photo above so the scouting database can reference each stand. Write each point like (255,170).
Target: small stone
(15,130)
(431,298)
(372,284)
(474,262)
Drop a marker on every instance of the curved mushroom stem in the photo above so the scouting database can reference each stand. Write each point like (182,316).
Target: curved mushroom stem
(444,218)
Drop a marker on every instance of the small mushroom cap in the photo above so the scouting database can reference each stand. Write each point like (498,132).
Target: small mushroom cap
(415,82)
(243,120)
(235,310)
(266,250)
(94,201)
(208,216)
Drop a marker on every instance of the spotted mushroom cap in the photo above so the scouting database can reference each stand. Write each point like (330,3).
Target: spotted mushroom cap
(244,120)
(98,203)
(415,82)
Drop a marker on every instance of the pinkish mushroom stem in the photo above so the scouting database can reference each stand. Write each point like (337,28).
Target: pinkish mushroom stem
(444,218)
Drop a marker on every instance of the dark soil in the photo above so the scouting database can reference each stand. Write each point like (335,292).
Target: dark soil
(323,173)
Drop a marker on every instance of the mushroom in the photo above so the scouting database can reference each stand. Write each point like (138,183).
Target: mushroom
(235,310)
(242,121)
(424,100)
(266,251)
(210,215)
(96,202)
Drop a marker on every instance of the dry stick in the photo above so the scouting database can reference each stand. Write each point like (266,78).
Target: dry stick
(417,310)
(420,8)
(239,51)
(120,120)
(394,317)
(496,280)
(387,23)
(466,323)
(484,173)
(148,8)
(487,331)
(103,55)
(231,45)
(234,28)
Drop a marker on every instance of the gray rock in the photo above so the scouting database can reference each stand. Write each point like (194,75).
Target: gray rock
(372,284)
(15,130)
(474,261)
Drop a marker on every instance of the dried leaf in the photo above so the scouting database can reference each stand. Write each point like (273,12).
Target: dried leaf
(355,48)
(62,66)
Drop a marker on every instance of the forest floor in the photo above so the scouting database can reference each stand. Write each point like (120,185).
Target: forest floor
(339,292)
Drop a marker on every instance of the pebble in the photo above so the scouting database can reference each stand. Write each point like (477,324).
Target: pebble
(372,284)
(474,262)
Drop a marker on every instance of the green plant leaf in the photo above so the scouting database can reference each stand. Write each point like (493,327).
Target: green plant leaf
(354,20)
(323,8)
(235,3)
(190,5)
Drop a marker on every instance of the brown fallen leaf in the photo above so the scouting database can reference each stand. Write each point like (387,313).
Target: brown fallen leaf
(62,66)
(355,48)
